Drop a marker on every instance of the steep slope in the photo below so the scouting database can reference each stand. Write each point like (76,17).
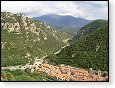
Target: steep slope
(87,29)
(24,39)
(66,23)
(90,51)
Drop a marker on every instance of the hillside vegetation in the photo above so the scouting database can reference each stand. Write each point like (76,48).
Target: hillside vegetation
(24,39)
(89,50)
(19,75)
(89,28)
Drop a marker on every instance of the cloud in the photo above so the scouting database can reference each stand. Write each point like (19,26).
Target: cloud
(94,9)
(86,9)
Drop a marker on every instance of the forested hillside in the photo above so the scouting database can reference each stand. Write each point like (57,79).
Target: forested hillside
(88,51)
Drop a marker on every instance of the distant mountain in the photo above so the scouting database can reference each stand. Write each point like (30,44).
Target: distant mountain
(89,48)
(24,39)
(64,23)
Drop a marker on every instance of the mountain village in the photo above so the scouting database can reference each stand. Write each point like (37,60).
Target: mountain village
(61,72)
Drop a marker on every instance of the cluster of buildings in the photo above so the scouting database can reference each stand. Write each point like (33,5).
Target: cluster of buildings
(68,73)
(62,72)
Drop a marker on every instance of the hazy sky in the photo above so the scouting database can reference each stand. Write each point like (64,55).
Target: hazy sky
(86,9)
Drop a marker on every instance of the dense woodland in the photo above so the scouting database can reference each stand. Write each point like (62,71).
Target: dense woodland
(90,51)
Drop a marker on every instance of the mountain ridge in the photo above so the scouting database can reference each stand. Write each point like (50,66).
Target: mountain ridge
(62,20)
(67,23)
(24,39)
(88,51)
